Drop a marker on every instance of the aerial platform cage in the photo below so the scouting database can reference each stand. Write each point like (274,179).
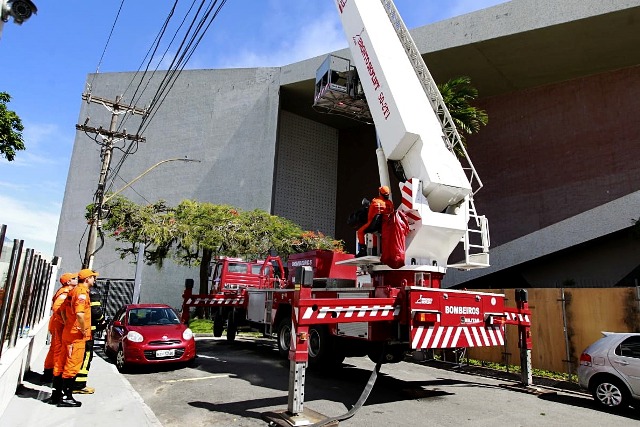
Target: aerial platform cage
(338,90)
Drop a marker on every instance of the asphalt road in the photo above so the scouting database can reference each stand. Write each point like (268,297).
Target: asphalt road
(234,384)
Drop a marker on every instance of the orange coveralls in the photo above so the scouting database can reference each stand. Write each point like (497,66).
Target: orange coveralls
(378,205)
(55,329)
(73,338)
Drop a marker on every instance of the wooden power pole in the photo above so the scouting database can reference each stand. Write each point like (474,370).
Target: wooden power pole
(109,136)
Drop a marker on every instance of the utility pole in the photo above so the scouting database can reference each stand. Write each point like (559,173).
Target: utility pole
(109,137)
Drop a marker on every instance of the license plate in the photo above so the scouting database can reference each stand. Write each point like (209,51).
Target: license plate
(166,353)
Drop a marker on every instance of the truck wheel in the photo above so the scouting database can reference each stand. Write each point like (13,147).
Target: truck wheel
(232,327)
(284,337)
(392,354)
(218,325)
(319,348)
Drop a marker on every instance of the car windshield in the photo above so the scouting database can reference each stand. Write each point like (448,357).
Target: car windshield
(150,316)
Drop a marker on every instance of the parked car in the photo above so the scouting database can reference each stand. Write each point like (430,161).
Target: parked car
(148,334)
(610,370)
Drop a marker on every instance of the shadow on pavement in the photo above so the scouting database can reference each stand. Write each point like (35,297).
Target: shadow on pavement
(587,402)
(258,363)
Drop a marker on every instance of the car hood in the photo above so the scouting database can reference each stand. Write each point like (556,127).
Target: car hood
(161,332)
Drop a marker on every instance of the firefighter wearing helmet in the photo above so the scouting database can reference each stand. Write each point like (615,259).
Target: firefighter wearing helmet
(77,330)
(53,364)
(379,207)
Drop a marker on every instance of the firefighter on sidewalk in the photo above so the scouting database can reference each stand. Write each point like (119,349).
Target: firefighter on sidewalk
(98,324)
(51,370)
(380,206)
(77,330)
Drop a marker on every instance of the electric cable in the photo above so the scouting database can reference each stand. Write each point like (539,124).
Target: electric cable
(205,22)
(113,26)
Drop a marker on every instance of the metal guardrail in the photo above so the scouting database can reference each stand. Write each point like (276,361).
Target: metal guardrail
(24,286)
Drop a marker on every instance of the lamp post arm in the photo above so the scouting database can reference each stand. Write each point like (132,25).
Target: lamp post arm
(130,183)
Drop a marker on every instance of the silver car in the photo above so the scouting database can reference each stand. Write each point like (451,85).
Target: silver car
(610,369)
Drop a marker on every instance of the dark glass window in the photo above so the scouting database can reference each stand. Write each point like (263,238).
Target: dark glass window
(630,347)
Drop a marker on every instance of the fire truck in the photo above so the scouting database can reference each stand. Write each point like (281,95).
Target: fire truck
(317,308)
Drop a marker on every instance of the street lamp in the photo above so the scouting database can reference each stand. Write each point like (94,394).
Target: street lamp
(95,219)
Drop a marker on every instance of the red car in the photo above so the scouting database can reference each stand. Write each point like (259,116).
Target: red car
(148,334)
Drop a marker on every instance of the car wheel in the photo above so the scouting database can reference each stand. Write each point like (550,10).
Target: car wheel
(120,363)
(284,337)
(107,350)
(192,362)
(610,393)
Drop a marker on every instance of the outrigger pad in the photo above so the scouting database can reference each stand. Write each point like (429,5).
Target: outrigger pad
(282,418)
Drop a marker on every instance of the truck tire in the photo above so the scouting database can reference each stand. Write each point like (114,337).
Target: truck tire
(284,337)
(392,354)
(218,325)
(232,327)
(321,348)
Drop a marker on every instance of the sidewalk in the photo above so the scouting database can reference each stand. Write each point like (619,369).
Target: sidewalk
(114,404)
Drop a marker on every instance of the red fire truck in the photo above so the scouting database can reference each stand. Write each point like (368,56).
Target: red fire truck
(398,312)
(319,311)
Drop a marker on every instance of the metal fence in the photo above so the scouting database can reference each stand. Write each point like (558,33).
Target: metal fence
(23,289)
(115,293)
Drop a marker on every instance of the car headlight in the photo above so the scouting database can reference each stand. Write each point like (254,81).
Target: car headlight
(187,334)
(134,336)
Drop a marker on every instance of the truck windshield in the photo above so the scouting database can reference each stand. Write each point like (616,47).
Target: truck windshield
(237,267)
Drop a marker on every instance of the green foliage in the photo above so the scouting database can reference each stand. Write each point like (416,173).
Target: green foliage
(457,94)
(10,130)
(542,373)
(191,230)
(201,326)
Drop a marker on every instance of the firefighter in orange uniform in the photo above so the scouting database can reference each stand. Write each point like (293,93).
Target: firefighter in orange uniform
(51,371)
(77,330)
(380,205)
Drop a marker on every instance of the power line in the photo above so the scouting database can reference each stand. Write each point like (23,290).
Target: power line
(150,54)
(178,63)
(181,59)
(113,26)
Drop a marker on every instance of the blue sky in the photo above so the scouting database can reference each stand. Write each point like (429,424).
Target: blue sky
(44,64)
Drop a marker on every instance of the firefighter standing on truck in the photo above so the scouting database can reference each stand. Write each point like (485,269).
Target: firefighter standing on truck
(77,330)
(53,371)
(380,205)
(98,324)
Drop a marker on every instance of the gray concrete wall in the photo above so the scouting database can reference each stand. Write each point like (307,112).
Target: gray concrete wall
(306,177)
(226,119)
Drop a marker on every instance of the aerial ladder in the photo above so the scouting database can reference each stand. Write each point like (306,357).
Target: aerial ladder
(386,82)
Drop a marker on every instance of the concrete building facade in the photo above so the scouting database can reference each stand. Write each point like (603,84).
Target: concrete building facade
(560,83)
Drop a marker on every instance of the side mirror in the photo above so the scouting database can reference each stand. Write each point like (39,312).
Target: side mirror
(117,323)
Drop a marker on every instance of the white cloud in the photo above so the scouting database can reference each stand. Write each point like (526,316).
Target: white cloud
(37,225)
(321,36)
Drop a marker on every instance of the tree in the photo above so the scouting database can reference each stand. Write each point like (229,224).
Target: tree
(193,232)
(10,130)
(457,94)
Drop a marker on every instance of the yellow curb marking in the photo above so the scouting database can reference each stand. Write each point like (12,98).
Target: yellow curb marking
(197,379)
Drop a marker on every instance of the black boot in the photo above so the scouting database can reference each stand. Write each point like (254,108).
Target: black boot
(67,400)
(47,376)
(56,394)
(362,250)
